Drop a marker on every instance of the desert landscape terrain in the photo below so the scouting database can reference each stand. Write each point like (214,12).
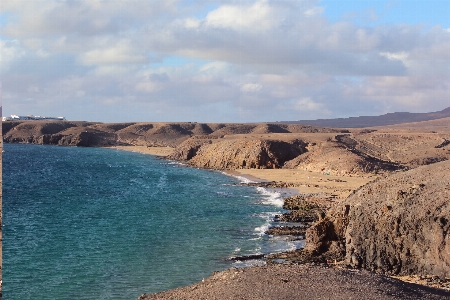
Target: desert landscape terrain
(374,199)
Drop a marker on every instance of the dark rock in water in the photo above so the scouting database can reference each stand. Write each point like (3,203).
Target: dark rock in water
(248,257)
(299,216)
(395,225)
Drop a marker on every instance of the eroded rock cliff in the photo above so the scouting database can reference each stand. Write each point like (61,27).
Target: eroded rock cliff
(236,154)
(399,224)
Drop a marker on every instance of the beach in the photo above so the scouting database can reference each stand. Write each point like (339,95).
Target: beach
(305,182)
(157,151)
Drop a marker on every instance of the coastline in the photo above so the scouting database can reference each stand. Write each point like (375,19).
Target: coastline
(293,182)
(303,182)
(157,151)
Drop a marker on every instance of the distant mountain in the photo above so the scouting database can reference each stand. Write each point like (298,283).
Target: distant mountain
(370,121)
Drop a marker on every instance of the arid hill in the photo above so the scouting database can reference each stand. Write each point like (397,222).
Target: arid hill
(235,146)
(371,121)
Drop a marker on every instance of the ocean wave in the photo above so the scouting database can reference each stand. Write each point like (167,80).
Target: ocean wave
(241,179)
(268,219)
(271,197)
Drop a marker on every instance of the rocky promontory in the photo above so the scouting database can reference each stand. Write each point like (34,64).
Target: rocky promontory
(395,225)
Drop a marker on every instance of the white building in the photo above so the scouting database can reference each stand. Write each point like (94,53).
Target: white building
(31,117)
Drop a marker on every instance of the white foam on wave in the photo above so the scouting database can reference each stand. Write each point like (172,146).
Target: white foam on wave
(271,197)
(268,217)
(241,179)
(249,263)
(279,244)
(171,162)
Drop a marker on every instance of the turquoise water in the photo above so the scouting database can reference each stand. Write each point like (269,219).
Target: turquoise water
(90,223)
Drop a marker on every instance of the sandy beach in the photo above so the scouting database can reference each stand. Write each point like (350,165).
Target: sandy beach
(305,182)
(157,151)
(300,282)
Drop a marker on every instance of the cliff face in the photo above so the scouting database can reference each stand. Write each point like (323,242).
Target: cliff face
(396,225)
(265,145)
(56,133)
(235,154)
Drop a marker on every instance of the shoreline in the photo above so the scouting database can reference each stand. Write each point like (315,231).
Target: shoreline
(157,151)
(292,182)
(304,182)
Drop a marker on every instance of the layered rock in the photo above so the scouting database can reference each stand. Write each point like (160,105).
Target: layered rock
(336,158)
(395,225)
(188,149)
(236,154)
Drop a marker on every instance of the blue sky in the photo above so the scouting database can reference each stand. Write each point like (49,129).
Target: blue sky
(377,12)
(223,61)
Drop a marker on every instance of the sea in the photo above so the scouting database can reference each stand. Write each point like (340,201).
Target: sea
(96,223)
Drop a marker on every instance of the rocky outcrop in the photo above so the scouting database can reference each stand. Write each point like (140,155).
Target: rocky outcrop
(399,224)
(287,230)
(188,149)
(335,158)
(236,154)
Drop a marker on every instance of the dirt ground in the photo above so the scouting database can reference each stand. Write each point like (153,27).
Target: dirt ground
(300,282)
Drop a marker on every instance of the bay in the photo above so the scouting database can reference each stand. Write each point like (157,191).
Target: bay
(89,223)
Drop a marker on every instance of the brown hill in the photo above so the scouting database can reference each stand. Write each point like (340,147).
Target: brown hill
(327,150)
(249,154)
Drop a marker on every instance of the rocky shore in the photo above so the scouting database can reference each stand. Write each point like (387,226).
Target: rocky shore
(370,199)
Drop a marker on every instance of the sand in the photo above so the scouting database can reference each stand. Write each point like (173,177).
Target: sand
(302,181)
(311,182)
(157,151)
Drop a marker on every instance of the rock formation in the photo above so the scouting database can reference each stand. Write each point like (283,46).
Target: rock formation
(399,224)
(236,154)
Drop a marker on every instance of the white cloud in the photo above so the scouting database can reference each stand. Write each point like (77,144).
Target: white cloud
(121,53)
(402,56)
(255,58)
(215,67)
(317,10)
(251,87)
(256,16)
(11,51)
(307,105)
(149,86)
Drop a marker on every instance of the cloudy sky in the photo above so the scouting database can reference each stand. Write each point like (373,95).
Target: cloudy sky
(223,61)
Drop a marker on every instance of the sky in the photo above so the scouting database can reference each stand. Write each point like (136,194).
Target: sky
(223,61)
